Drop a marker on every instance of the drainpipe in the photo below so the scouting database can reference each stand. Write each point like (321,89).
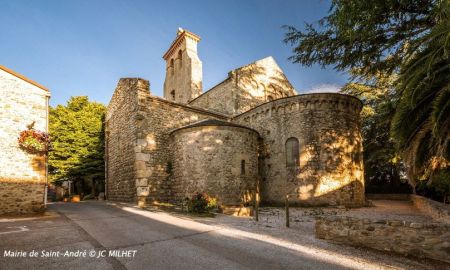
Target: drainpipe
(106,158)
(46,154)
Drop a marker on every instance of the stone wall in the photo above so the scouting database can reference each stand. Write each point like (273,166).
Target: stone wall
(22,175)
(21,196)
(437,210)
(138,147)
(429,240)
(246,88)
(330,170)
(218,99)
(153,148)
(121,136)
(260,82)
(221,160)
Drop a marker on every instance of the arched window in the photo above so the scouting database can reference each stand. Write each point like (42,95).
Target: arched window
(172,94)
(292,152)
(269,98)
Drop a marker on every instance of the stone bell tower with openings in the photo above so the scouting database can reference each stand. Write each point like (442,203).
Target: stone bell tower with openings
(183,68)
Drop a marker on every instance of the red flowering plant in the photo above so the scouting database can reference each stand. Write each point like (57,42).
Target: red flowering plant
(201,202)
(34,141)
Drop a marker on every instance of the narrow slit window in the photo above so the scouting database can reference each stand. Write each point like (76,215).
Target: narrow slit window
(243,167)
(180,57)
(172,94)
(292,152)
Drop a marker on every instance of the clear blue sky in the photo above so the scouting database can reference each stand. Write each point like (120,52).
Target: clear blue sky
(83,47)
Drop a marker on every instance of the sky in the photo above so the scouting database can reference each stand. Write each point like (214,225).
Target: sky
(84,47)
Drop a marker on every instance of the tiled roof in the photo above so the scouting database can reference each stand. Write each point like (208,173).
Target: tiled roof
(213,122)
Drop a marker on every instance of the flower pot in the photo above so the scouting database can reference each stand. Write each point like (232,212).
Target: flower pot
(34,142)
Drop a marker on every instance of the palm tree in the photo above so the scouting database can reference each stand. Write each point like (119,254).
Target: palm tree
(422,119)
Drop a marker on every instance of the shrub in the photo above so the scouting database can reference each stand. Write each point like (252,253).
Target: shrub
(438,188)
(441,184)
(201,202)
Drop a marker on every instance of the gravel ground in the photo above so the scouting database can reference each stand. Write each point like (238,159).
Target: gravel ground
(271,226)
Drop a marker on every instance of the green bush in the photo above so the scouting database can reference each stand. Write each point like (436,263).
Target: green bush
(201,203)
(438,188)
(441,184)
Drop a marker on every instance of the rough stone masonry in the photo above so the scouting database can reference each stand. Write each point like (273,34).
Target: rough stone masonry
(250,130)
(22,175)
(418,239)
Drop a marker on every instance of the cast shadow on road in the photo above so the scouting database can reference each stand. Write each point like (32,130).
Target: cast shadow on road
(178,242)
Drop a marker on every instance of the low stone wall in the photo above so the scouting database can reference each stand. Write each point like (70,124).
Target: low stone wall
(437,210)
(431,240)
(21,196)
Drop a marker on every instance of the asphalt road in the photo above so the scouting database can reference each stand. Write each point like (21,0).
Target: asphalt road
(104,236)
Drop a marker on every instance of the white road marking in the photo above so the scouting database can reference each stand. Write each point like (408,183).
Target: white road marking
(21,229)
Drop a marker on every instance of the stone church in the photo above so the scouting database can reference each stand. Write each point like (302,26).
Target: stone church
(251,133)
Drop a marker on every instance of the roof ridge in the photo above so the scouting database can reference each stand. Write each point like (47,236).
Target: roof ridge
(22,77)
(213,122)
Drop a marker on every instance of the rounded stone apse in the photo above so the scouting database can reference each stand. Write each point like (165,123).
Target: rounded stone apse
(312,149)
(216,157)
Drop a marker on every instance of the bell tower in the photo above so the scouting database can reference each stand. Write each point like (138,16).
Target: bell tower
(183,80)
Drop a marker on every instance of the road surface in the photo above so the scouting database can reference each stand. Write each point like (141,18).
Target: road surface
(103,235)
